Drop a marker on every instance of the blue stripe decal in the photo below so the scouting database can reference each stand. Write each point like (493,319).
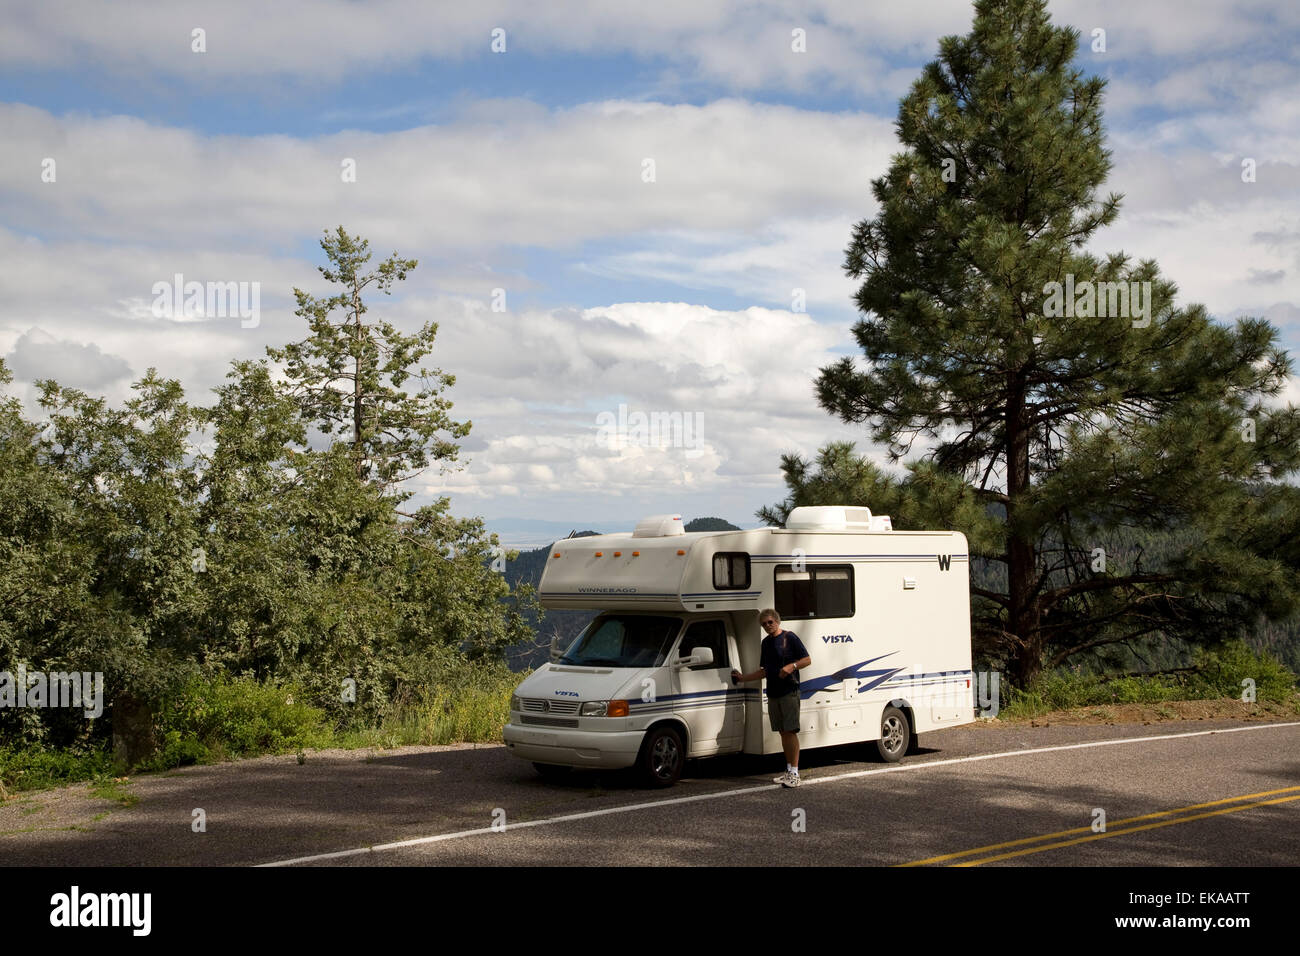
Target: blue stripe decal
(817,684)
(729,692)
(874,677)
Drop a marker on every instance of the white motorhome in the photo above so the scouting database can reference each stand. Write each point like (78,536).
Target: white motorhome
(885,616)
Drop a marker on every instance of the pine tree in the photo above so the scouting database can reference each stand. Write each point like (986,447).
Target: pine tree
(349,374)
(1064,416)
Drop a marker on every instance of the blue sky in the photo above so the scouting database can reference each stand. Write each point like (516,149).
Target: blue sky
(522,171)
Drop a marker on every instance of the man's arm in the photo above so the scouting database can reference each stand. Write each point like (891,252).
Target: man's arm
(785,671)
(796,666)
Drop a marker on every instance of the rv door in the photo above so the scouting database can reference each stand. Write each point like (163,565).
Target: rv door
(712,708)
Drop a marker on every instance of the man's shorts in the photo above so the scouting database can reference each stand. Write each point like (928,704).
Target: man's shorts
(783,712)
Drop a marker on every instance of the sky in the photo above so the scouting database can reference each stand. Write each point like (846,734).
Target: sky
(618,209)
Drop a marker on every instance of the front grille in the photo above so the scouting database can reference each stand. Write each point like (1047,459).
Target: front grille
(534,705)
(548,721)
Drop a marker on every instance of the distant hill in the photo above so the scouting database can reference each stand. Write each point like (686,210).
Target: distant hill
(710,524)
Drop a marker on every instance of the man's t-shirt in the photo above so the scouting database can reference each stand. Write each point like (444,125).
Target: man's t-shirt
(777,651)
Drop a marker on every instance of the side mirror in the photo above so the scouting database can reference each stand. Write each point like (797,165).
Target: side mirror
(701,655)
(556,651)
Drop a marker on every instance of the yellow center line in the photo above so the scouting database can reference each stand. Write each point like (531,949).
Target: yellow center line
(1111,833)
(1088,829)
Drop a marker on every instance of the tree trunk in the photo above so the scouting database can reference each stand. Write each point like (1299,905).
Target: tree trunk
(1022,609)
(357,456)
(133,737)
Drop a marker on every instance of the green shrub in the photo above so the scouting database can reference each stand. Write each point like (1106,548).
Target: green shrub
(233,717)
(32,769)
(470,704)
(1219,673)
(442,699)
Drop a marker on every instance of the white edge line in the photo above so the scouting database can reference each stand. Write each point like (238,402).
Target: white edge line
(897,768)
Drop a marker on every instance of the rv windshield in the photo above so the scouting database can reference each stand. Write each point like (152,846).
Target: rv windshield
(623,640)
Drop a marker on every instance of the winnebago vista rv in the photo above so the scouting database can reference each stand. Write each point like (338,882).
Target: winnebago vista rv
(885,616)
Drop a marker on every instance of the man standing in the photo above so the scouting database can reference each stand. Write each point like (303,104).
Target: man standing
(781,658)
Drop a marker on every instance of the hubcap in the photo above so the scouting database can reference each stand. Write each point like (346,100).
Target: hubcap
(893,734)
(664,756)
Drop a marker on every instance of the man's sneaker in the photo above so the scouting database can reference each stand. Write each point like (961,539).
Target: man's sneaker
(788,779)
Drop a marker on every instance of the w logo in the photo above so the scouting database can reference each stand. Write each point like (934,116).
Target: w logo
(945,562)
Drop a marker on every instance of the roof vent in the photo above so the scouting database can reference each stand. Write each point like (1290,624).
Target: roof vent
(659,526)
(836,518)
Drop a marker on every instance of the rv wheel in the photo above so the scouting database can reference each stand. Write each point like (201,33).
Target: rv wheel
(894,735)
(662,756)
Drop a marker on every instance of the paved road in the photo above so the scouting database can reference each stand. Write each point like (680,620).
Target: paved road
(1172,795)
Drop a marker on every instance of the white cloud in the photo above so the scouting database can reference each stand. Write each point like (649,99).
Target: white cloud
(38,355)
(504,174)
(741,44)
(1211,233)
(734,389)
(736,44)
(751,200)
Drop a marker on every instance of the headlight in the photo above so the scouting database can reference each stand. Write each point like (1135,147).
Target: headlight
(604,708)
(514,703)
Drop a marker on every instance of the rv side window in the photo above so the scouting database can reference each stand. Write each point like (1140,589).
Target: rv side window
(731,571)
(706,634)
(816,592)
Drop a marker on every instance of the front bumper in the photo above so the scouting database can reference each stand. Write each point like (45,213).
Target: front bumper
(602,750)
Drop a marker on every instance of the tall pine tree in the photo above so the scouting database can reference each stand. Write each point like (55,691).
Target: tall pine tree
(1067,420)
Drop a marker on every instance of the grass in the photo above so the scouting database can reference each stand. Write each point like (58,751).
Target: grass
(31,769)
(472,715)
(1230,672)
(114,789)
(212,721)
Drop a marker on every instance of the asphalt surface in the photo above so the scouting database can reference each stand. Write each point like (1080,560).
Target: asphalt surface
(971,795)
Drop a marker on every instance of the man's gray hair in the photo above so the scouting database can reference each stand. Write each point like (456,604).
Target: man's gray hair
(769,612)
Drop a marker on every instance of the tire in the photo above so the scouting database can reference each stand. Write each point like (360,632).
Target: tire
(552,772)
(663,754)
(895,735)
